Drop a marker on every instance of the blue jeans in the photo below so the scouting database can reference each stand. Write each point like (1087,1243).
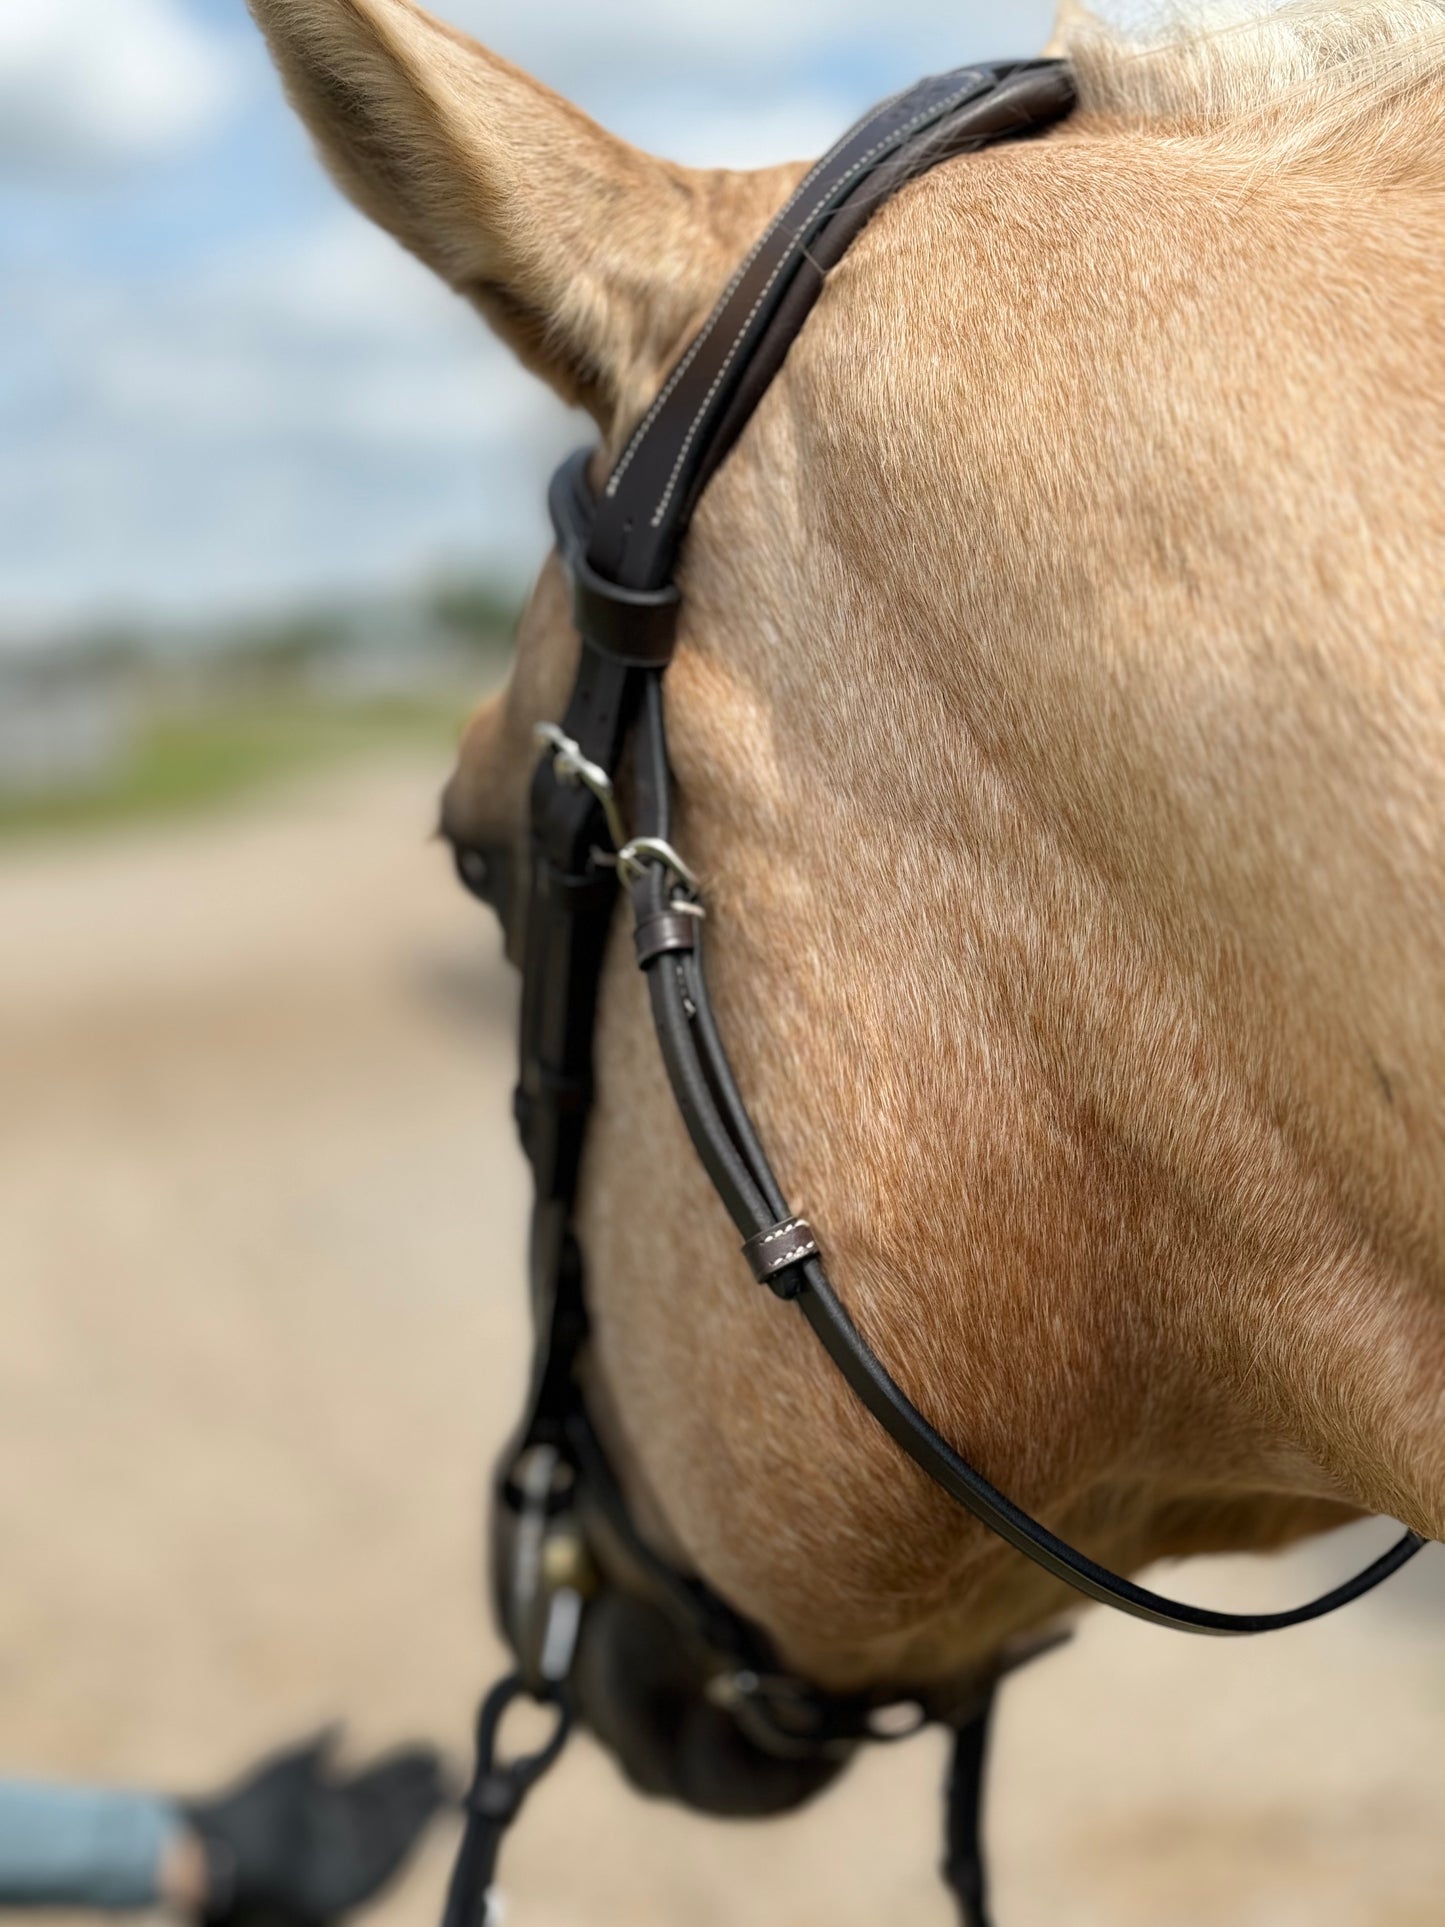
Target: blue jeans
(64,1846)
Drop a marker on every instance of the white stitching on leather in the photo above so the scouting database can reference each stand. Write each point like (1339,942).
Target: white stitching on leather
(768,1264)
(639,434)
(791,1257)
(719,308)
(933,112)
(782,1231)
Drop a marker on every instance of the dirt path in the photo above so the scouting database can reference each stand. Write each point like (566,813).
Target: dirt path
(260,1333)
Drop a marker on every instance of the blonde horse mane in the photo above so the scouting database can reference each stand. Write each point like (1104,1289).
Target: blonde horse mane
(1305,80)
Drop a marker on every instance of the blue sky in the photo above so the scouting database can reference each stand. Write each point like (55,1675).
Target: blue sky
(221,390)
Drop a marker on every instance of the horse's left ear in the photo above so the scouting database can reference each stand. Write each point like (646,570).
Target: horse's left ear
(591,258)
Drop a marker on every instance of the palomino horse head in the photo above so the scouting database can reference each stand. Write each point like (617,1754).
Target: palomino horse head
(1059,722)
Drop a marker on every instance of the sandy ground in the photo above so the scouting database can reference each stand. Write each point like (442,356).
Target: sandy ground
(260,1333)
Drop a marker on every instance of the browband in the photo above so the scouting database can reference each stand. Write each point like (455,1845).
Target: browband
(648,499)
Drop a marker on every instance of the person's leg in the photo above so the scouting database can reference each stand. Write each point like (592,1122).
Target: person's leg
(63,1846)
(292,1840)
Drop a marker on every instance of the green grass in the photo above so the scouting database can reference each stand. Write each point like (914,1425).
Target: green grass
(185,763)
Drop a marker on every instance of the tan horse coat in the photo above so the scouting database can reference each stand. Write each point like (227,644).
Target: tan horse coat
(1060,731)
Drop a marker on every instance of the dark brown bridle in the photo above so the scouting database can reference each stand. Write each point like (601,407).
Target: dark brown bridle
(564,1533)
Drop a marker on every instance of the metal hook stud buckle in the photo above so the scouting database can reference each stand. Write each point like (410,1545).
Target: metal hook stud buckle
(569,765)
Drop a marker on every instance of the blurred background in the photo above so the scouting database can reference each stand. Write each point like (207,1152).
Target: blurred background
(269,499)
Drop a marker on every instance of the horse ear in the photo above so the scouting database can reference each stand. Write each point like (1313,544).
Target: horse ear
(591,258)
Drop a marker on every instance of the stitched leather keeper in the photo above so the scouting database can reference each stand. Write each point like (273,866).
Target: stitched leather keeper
(659,936)
(637,627)
(774,1251)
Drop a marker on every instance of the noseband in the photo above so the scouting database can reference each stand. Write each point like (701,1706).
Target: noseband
(564,1533)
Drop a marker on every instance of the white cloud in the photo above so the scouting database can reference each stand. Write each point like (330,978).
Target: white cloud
(753,35)
(300,408)
(304,414)
(707,131)
(742,66)
(339,277)
(333,333)
(87,81)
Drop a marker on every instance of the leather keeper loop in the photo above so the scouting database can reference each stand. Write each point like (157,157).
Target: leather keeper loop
(637,627)
(779,1249)
(663,935)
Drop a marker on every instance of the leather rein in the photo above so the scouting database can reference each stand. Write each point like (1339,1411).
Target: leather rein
(561,1508)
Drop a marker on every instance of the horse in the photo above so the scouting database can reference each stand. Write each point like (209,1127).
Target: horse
(1058,724)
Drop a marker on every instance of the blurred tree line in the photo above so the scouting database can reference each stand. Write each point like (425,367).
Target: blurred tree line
(133,720)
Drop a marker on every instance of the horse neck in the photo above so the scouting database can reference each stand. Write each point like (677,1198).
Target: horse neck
(1112,608)
(1070,692)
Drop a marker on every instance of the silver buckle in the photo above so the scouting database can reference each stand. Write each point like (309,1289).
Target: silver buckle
(643,852)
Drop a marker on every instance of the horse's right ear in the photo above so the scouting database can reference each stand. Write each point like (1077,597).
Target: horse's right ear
(591,258)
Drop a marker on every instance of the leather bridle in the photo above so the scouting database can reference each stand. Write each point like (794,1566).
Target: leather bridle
(564,1531)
